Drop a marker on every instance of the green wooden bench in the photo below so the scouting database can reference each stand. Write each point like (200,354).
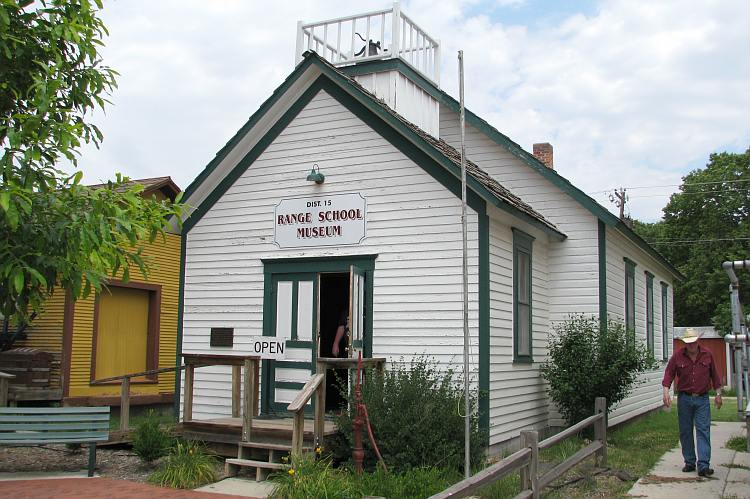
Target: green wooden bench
(55,425)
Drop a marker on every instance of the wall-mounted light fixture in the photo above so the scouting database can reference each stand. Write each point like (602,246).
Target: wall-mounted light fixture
(315,175)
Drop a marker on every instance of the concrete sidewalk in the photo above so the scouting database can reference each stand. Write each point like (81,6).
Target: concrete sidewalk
(730,480)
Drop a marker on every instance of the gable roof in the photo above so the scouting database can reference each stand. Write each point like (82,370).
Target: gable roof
(440,151)
(503,140)
(150,185)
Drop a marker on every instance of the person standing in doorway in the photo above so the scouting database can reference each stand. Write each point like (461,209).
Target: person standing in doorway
(696,372)
(341,331)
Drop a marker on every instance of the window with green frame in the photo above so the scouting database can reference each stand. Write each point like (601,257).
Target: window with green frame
(522,313)
(665,343)
(630,297)
(650,312)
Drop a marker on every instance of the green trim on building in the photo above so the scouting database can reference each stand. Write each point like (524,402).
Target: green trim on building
(503,140)
(630,292)
(269,328)
(251,122)
(180,308)
(294,364)
(250,157)
(308,269)
(650,312)
(320,264)
(665,343)
(602,234)
(523,244)
(290,385)
(300,343)
(484,323)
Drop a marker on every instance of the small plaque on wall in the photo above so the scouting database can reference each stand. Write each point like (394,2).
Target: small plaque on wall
(222,336)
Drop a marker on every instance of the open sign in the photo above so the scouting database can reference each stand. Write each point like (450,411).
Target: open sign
(267,347)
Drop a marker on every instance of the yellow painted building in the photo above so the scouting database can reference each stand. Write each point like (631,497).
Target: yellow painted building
(129,327)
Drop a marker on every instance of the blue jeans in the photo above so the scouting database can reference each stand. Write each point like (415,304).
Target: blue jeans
(695,411)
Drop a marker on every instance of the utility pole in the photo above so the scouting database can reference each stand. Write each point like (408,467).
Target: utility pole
(618,197)
(464,227)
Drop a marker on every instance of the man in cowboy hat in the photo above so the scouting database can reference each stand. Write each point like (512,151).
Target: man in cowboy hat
(697,373)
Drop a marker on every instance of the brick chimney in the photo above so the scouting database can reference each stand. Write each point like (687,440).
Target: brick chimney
(543,152)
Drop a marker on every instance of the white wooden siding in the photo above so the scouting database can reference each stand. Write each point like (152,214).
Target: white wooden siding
(405,97)
(517,392)
(573,274)
(413,225)
(573,263)
(647,394)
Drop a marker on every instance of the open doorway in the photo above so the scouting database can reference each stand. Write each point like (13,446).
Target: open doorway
(334,309)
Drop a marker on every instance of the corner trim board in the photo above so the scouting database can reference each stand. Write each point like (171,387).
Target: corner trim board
(602,235)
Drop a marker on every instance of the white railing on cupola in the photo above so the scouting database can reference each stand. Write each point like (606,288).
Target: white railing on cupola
(382,34)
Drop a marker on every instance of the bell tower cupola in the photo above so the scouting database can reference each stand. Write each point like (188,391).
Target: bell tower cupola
(383,50)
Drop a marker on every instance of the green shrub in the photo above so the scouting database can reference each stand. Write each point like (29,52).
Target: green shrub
(587,361)
(187,466)
(150,441)
(313,479)
(414,414)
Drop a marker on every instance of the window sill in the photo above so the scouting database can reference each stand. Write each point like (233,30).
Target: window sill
(523,360)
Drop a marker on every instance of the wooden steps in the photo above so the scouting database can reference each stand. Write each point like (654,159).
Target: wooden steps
(262,468)
(271,446)
(265,457)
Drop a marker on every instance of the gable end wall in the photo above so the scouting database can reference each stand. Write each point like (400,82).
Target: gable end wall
(413,225)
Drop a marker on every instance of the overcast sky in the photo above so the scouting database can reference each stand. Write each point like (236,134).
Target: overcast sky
(631,93)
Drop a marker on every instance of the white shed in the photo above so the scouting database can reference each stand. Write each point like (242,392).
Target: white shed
(343,192)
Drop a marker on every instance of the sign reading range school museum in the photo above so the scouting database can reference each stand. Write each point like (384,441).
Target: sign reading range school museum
(320,221)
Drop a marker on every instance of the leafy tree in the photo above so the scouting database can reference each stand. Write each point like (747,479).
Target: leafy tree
(705,224)
(587,361)
(57,233)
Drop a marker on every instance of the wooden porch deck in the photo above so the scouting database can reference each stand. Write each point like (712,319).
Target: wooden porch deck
(259,425)
(225,434)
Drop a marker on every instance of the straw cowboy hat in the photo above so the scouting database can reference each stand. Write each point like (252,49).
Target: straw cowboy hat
(690,336)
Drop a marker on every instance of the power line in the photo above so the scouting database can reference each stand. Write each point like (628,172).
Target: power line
(697,241)
(692,183)
(733,191)
(675,185)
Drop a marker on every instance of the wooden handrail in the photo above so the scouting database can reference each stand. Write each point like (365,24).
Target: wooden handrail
(136,375)
(125,391)
(304,396)
(488,475)
(351,363)
(316,384)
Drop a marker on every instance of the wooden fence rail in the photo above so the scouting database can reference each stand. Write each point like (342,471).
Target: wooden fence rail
(125,391)
(526,460)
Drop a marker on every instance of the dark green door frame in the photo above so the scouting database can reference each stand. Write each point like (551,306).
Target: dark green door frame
(292,268)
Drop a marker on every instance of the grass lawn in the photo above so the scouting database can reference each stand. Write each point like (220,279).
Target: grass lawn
(633,449)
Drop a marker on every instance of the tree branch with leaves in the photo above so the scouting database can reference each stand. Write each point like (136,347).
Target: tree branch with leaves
(56,233)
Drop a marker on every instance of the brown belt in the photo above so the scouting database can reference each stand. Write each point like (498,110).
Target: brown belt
(693,394)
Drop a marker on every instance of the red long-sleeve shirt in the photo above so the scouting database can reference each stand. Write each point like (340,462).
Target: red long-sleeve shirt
(694,377)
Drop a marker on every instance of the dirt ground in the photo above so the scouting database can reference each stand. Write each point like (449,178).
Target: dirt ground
(120,463)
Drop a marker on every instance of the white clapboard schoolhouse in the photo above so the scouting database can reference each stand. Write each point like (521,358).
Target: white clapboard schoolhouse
(342,193)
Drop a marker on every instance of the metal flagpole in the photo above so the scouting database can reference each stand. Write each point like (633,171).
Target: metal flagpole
(467,404)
